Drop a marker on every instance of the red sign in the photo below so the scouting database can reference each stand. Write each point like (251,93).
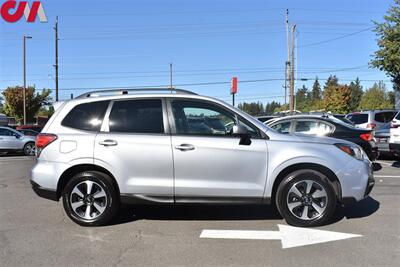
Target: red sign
(234,85)
(11,12)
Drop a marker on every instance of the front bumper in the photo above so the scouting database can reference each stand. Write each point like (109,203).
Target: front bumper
(44,192)
(370,185)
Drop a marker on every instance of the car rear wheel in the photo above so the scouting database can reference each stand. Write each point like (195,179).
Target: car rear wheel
(306,198)
(30,149)
(90,199)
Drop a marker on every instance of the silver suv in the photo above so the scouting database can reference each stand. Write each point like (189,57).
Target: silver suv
(170,147)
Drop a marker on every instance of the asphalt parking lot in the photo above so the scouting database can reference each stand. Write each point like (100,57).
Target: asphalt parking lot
(35,231)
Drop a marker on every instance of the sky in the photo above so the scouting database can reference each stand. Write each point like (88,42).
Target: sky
(130,43)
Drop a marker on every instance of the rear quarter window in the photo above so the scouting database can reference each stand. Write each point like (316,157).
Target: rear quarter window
(384,116)
(87,116)
(358,118)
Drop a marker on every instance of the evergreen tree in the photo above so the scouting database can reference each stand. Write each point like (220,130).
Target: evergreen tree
(270,107)
(356,94)
(316,93)
(332,81)
(303,97)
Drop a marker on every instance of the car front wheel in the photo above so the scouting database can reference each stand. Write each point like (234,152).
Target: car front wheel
(90,199)
(306,198)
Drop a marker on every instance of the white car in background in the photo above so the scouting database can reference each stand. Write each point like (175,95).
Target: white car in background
(394,142)
(372,119)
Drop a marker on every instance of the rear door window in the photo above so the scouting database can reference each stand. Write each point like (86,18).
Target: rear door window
(137,116)
(358,118)
(312,127)
(87,116)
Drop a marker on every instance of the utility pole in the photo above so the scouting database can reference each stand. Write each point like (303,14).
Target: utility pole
(291,102)
(170,77)
(56,65)
(24,75)
(287,63)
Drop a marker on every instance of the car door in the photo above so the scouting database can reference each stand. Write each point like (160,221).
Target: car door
(9,140)
(209,162)
(135,146)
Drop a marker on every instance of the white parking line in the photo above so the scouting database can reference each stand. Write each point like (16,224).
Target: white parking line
(384,163)
(387,176)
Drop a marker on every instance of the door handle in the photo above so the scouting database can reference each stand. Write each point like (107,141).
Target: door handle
(185,147)
(108,142)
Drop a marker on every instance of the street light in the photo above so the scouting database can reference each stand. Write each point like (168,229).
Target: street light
(24,73)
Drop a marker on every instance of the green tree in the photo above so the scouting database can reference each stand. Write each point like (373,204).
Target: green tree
(284,107)
(316,93)
(270,107)
(34,101)
(46,111)
(376,97)
(1,104)
(303,99)
(254,108)
(387,58)
(356,94)
(337,99)
(332,81)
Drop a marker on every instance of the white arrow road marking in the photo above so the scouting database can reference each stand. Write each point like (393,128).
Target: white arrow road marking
(290,236)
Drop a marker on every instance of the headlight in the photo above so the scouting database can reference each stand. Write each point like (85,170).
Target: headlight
(352,150)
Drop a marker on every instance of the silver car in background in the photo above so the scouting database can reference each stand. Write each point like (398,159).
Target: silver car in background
(173,146)
(12,141)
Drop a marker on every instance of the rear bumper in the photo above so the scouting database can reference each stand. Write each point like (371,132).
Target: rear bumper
(44,192)
(394,147)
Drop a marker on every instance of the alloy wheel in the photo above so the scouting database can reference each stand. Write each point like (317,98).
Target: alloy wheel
(307,200)
(30,149)
(88,200)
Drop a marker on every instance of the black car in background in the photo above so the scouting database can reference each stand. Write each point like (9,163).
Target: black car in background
(327,126)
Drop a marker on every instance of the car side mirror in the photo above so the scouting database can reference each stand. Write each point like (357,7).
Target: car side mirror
(17,136)
(243,133)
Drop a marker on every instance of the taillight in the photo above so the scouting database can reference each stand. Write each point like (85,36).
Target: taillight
(367,136)
(371,125)
(43,140)
(394,124)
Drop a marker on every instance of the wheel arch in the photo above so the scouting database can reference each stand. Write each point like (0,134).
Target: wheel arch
(70,172)
(313,166)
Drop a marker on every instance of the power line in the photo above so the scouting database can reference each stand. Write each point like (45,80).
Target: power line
(337,38)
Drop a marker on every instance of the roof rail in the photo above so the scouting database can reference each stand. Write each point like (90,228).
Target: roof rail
(126,91)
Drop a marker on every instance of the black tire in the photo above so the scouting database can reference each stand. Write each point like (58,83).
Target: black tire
(109,202)
(320,185)
(29,149)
